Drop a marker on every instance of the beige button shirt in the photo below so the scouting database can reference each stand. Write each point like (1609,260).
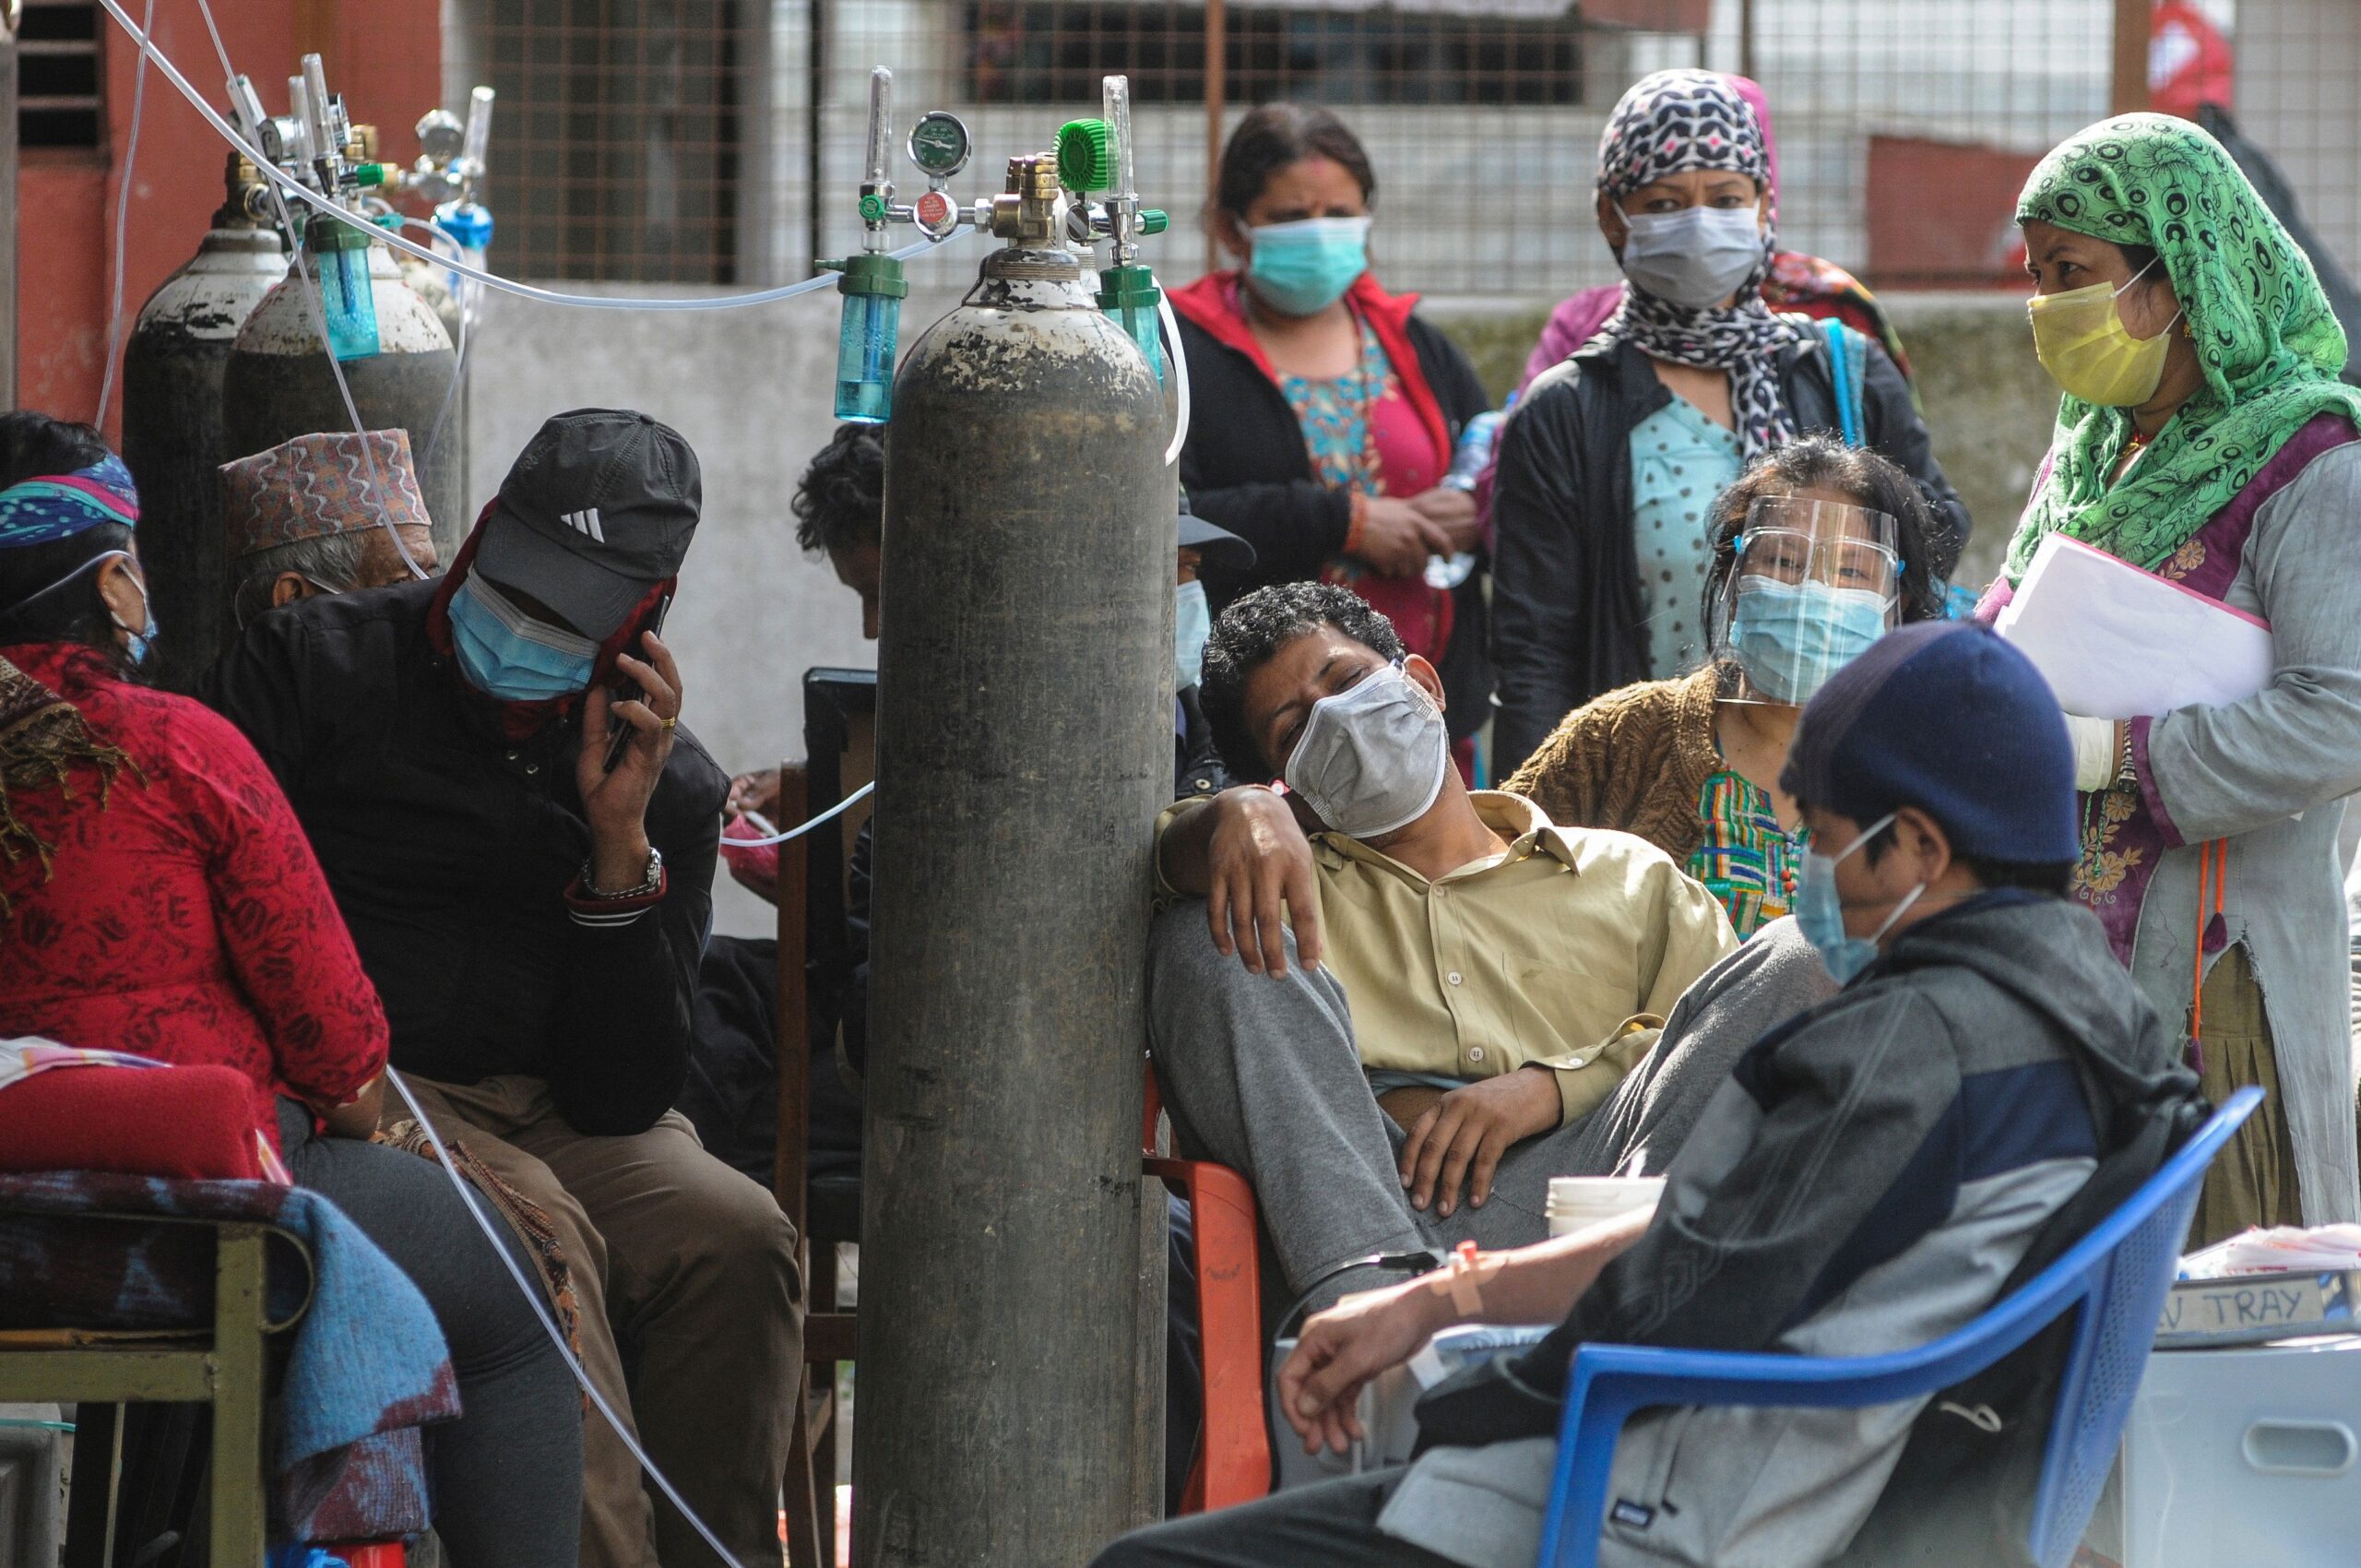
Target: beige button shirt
(1565,953)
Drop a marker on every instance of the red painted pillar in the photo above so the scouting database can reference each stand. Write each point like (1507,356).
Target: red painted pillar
(385,56)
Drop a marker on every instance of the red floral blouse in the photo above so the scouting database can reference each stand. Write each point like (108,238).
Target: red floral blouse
(188,919)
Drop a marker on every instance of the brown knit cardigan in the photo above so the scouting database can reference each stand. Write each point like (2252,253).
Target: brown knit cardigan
(1633,760)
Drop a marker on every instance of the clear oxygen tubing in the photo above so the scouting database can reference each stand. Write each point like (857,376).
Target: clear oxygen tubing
(829,816)
(123,227)
(469,294)
(282,186)
(549,1324)
(1181,365)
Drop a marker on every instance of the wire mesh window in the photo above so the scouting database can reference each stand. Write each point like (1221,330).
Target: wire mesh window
(626,134)
(720,141)
(58,75)
(1045,52)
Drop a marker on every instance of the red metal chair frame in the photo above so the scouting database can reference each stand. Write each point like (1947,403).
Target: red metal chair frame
(1234,1455)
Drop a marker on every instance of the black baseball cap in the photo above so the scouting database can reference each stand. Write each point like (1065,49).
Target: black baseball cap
(1218,546)
(597,509)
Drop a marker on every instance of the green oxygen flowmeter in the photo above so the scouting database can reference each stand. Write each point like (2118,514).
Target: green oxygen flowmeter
(1091,156)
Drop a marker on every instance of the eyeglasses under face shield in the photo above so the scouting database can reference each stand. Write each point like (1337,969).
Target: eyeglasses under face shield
(1814,584)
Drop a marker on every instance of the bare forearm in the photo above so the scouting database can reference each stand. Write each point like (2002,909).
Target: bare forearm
(1541,1283)
(357,1119)
(1183,851)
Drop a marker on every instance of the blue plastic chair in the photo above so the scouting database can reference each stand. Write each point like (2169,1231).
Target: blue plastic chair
(2118,1275)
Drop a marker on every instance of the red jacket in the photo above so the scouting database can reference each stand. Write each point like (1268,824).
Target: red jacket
(186,920)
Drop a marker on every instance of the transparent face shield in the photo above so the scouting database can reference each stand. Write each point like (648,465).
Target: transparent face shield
(1815,582)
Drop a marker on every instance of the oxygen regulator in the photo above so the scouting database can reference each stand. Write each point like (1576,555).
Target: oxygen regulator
(317,144)
(1047,202)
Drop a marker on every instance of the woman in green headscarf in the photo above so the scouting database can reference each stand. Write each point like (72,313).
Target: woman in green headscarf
(2203,436)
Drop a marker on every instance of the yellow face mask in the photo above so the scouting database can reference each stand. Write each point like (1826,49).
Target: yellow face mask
(2079,338)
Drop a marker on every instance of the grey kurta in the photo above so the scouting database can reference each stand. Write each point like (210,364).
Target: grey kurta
(2270,773)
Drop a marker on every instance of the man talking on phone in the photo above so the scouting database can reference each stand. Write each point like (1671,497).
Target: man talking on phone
(521,837)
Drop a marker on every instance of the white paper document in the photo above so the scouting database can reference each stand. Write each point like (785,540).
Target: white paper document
(2115,642)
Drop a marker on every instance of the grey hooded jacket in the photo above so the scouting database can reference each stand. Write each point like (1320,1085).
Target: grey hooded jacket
(1865,1182)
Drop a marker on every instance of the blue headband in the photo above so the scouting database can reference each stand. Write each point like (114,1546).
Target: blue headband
(55,506)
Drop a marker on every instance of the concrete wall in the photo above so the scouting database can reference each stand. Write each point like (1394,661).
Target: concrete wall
(752,390)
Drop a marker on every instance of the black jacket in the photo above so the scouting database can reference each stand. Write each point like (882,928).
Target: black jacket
(1246,468)
(450,850)
(1566,607)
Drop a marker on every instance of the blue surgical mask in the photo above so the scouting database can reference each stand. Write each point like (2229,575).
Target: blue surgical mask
(1192,623)
(1790,637)
(505,653)
(1820,914)
(1695,257)
(1301,268)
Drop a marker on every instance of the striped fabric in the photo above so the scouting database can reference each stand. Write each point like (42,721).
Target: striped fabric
(1746,860)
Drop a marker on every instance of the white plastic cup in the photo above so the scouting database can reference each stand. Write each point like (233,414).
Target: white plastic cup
(1577,1203)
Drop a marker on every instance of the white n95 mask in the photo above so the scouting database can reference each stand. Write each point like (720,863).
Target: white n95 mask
(1371,757)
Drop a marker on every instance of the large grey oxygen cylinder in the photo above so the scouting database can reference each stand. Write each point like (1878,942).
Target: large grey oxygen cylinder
(172,439)
(279,385)
(1023,748)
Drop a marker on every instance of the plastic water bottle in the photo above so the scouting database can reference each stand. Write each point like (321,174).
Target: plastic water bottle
(1467,466)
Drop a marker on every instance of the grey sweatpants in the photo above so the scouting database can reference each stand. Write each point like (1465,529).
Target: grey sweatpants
(1262,1074)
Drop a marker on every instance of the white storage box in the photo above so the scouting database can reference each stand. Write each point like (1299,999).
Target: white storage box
(2238,1459)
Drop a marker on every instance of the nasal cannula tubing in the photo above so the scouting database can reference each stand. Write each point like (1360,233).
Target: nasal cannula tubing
(279,181)
(123,227)
(836,810)
(549,1324)
(1181,366)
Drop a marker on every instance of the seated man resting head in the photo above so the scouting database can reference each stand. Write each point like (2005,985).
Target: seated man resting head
(1866,1182)
(1443,941)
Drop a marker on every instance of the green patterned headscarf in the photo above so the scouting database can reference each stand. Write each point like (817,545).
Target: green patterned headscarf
(2270,346)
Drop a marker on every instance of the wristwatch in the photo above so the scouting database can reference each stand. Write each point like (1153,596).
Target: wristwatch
(653,881)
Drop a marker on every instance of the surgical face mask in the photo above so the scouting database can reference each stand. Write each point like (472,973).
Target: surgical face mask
(1303,268)
(1192,623)
(1790,637)
(1820,914)
(1695,257)
(2079,338)
(1371,758)
(138,645)
(505,653)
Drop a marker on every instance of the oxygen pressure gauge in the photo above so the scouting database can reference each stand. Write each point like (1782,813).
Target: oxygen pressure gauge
(940,146)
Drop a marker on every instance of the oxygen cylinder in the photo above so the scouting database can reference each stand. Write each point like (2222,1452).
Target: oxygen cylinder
(1024,747)
(278,384)
(172,438)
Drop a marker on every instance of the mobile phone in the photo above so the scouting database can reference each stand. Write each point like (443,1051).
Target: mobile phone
(620,734)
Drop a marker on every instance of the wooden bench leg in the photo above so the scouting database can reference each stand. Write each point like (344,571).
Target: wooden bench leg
(236,1518)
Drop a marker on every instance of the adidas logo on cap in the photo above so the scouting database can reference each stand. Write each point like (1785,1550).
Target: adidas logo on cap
(585,522)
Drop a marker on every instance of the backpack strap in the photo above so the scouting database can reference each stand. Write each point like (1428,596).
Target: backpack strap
(1847,368)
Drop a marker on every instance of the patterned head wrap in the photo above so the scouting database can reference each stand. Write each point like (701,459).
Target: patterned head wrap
(54,507)
(315,486)
(2269,347)
(1671,123)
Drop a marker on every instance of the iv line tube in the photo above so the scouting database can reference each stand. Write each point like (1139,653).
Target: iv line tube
(123,227)
(278,181)
(540,1311)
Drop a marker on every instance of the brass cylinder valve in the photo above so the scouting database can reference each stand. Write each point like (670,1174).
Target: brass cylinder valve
(1026,215)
